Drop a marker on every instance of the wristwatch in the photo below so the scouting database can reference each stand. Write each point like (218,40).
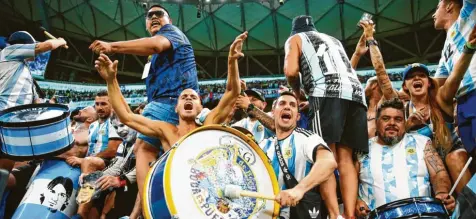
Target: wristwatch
(250,107)
(371,42)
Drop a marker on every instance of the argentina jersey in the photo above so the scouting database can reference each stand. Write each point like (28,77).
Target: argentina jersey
(456,38)
(16,83)
(326,70)
(392,173)
(256,128)
(298,151)
(99,135)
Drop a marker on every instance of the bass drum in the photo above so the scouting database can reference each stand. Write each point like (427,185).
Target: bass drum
(189,180)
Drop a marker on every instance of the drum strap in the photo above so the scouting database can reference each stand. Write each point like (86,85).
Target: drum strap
(289,179)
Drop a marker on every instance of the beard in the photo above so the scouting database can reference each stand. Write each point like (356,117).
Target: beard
(390,141)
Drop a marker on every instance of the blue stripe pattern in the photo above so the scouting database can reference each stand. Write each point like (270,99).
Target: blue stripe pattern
(388,175)
(34,131)
(412,163)
(38,149)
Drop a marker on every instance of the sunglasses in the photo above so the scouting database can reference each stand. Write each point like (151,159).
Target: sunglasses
(158,14)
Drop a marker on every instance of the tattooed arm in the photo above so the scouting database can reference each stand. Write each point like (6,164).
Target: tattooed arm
(439,177)
(291,63)
(265,119)
(377,61)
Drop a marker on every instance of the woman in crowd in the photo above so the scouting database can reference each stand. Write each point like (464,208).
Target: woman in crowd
(430,109)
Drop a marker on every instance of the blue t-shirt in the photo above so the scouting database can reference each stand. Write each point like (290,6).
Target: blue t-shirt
(173,70)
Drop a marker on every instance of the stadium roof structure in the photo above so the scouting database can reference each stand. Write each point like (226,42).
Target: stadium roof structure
(404,28)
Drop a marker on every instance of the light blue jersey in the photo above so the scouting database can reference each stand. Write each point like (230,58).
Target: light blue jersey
(456,38)
(390,173)
(298,151)
(99,135)
(256,128)
(16,83)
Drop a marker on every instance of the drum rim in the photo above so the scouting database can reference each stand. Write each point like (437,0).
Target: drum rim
(39,156)
(64,115)
(419,199)
(167,170)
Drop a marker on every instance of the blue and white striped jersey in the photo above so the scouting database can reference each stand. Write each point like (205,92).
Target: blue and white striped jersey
(298,151)
(16,83)
(390,173)
(256,128)
(456,38)
(99,135)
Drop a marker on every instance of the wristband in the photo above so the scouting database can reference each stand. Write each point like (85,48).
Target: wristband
(371,42)
(470,46)
(123,183)
(468,50)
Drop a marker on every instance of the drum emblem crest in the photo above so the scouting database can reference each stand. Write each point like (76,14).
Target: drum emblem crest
(211,171)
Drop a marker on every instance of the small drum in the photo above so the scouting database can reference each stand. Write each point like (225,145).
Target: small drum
(52,193)
(418,207)
(189,180)
(35,131)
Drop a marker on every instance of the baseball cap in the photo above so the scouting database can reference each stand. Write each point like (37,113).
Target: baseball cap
(302,23)
(255,93)
(415,67)
(21,37)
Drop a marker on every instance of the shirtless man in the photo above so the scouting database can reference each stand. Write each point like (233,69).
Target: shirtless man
(188,105)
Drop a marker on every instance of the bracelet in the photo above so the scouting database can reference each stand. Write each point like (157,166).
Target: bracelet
(468,50)
(470,46)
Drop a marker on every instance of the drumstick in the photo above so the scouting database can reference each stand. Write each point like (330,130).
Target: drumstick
(460,175)
(51,36)
(234,191)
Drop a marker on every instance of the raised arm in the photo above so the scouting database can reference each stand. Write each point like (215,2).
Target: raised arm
(291,63)
(377,61)
(439,178)
(360,51)
(108,70)
(143,47)
(233,89)
(448,90)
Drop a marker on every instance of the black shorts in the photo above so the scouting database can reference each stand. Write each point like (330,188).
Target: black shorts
(340,121)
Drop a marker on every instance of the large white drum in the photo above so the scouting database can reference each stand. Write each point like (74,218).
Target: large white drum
(189,180)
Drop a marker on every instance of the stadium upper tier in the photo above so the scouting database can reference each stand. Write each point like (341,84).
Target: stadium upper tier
(80,95)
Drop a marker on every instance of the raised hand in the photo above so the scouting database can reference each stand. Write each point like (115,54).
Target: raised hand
(100,47)
(369,29)
(106,68)
(237,46)
(361,47)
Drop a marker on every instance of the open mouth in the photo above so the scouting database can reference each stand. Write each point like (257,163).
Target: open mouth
(188,106)
(155,23)
(286,116)
(417,84)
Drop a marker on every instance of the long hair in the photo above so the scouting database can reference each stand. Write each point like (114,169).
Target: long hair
(441,133)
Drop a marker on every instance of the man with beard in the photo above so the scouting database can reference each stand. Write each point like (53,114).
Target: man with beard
(171,70)
(305,155)
(103,140)
(396,160)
